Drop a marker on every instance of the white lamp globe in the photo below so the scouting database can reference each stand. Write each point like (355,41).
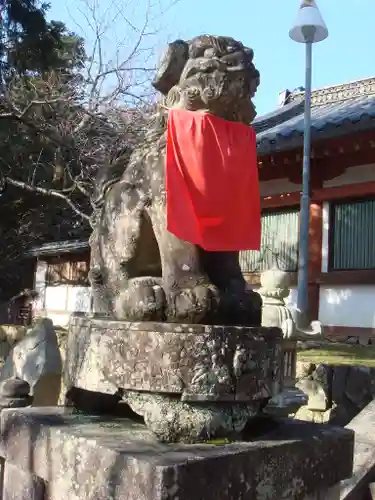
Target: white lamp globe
(309,26)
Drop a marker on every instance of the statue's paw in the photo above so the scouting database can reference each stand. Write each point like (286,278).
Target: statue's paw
(192,305)
(241,307)
(143,300)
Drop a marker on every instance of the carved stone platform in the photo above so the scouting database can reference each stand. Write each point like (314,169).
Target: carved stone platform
(52,453)
(189,382)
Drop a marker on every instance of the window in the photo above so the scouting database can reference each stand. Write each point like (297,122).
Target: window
(70,272)
(58,272)
(279,246)
(352,235)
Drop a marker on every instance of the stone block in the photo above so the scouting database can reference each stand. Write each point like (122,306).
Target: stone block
(20,485)
(198,362)
(91,458)
(307,415)
(363,425)
(286,403)
(328,494)
(37,360)
(340,376)
(317,397)
(358,386)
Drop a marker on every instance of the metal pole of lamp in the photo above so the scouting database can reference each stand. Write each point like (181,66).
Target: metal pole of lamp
(309,28)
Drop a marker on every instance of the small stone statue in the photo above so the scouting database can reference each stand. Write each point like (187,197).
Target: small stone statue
(275,288)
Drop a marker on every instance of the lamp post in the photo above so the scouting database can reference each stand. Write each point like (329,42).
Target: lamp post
(308,28)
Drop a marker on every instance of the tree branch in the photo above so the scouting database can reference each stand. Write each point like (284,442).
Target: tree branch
(47,192)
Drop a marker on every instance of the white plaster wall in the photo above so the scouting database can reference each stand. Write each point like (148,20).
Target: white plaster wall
(325,236)
(291,300)
(61,301)
(352,306)
(353,175)
(277,187)
(40,283)
(56,298)
(59,320)
(67,298)
(79,299)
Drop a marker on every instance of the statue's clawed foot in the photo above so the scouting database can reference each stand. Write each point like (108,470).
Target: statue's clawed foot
(192,305)
(145,299)
(142,300)
(240,307)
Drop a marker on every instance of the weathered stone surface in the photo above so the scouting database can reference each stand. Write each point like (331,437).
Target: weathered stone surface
(15,402)
(9,335)
(327,494)
(342,414)
(339,392)
(91,458)
(36,359)
(363,425)
(20,485)
(174,421)
(198,362)
(317,398)
(139,270)
(12,333)
(14,393)
(358,386)
(12,387)
(304,369)
(275,288)
(318,417)
(286,403)
(339,378)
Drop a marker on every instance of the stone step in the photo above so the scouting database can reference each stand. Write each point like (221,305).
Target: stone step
(358,486)
(371,491)
(78,457)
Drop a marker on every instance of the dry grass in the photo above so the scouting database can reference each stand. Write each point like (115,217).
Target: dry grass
(340,354)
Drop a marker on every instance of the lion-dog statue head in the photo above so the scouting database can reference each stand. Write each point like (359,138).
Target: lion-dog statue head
(210,73)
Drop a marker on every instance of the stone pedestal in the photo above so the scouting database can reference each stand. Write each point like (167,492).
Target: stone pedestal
(21,485)
(189,382)
(90,458)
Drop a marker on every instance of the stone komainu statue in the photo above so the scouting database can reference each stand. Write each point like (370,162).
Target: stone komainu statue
(140,271)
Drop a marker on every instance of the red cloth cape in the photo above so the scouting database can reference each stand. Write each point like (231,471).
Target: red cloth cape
(212,183)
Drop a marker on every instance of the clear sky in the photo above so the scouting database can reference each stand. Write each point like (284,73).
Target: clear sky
(348,54)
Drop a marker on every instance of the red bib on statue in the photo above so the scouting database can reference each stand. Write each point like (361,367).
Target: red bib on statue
(213,197)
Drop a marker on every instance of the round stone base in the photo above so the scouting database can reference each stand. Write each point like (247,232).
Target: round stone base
(172,420)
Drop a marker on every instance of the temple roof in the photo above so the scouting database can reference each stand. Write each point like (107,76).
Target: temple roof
(336,111)
(57,248)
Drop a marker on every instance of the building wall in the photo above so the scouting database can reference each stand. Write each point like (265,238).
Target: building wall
(59,301)
(278,186)
(353,175)
(346,309)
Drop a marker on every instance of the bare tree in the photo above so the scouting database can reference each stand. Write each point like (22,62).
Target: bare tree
(69,128)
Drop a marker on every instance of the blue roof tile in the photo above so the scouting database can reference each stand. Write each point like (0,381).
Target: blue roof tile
(283,129)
